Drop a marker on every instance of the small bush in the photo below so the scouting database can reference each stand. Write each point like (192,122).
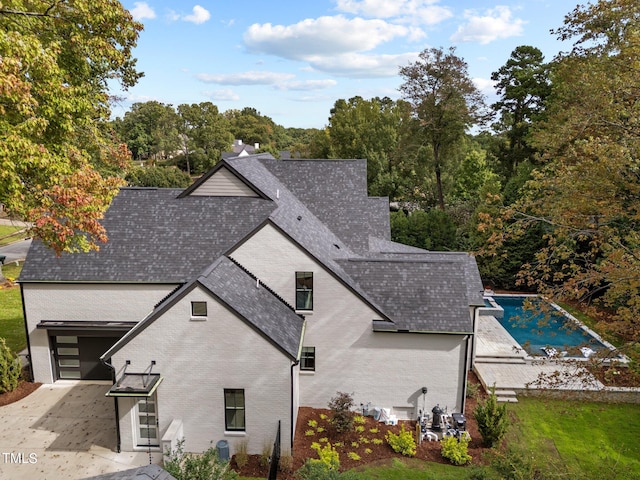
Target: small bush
(10,368)
(323,440)
(319,429)
(364,440)
(328,456)
(492,419)
(456,451)
(472,390)
(241,456)
(377,441)
(402,442)
(359,428)
(191,466)
(312,423)
(341,414)
(354,456)
(374,430)
(265,456)
(359,420)
(323,416)
(286,463)
(368,451)
(309,433)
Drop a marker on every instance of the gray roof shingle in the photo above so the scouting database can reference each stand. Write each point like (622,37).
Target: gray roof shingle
(425,293)
(154,237)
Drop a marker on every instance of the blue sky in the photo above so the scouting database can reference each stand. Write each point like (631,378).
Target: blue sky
(291,60)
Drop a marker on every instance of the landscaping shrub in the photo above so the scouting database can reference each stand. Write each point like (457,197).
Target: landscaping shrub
(492,419)
(327,455)
(265,456)
(341,414)
(191,466)
(456,451)
(285,465)
(402,442)
(241,456)
(10,368)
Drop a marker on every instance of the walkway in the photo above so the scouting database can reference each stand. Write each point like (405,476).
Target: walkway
(63,431)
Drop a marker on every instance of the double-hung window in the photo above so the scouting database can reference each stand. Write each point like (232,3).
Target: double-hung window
(308,359)
(304,290)
(234,410)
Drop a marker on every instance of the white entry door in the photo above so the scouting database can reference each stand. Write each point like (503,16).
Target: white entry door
(146,413)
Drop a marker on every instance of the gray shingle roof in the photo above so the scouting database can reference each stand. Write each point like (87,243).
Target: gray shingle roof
(336,192)
(154,237)
(238,290)
(424,293)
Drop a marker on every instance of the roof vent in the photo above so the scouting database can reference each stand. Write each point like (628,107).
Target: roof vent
(337,246)
(299,217)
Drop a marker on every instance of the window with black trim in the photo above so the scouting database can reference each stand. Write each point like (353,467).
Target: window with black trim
(198,309)
(234,409)
(304,290)
(308,359)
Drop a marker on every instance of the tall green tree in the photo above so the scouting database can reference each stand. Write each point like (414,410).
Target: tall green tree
(523,84)
(57,58)
(204,128)
(371,129)
(587,194)
(445,102)
(150,130)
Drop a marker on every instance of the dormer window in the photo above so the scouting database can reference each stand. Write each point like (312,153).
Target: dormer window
(304,290)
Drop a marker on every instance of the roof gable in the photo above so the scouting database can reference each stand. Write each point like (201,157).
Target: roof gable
(223,181)
(237,290)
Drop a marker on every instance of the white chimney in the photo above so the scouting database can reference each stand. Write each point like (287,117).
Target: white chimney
(256,146)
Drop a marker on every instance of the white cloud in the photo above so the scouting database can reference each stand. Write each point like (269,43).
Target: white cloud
(142,10)
(245,78)
(496,23)
(222,95)
(425,12)
(485,85)
(307,85)
(199,15)
(355,65)
(324,36)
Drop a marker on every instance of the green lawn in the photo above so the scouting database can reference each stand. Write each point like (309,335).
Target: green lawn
(11,316)
(596,440)
(11,319)
(8,234)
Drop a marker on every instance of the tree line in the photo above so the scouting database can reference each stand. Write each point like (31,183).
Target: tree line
(543,185)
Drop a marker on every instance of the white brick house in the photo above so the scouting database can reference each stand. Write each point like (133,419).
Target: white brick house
(266,285)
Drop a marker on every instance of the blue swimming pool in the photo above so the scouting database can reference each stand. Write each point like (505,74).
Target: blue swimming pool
(543,327)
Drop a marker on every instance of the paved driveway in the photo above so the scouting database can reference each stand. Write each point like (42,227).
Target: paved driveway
(63,431)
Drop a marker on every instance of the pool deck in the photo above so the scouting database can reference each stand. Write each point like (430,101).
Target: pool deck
(500,361)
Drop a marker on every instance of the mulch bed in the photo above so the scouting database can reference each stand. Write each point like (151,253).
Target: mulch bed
(370,453)
(23,389)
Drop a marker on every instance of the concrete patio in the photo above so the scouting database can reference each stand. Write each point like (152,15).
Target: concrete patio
(63,431)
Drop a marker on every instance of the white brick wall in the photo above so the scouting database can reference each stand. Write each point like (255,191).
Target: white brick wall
(198,360)
(80,302)
(387,369)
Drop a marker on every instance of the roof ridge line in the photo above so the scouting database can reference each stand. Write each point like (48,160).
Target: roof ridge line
(264,285)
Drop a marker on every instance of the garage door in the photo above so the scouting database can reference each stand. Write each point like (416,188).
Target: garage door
(77,357)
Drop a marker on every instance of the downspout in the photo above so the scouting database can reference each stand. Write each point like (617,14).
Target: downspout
(293,365)
(115,403)
(465,372)
(26,331)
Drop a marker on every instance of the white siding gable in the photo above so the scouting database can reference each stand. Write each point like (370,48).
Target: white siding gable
(198,360)
(224,183)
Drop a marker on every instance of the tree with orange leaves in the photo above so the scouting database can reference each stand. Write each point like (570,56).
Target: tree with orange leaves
(59,164)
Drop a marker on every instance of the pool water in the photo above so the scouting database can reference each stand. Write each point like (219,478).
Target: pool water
(543,327)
